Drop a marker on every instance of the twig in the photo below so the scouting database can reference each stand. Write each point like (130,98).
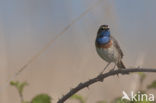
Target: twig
(21,97)
(100,78)
(55,38)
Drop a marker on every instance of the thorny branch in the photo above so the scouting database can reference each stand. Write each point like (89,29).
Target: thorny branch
(100,78)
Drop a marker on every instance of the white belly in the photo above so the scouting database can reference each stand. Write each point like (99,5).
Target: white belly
(109,55)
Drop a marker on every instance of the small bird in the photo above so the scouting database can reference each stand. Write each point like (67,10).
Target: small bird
(108,48)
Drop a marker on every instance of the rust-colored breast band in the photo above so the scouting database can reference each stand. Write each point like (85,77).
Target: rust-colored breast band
(107,45)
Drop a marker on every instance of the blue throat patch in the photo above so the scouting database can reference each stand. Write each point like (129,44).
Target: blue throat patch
(103,40)
(105,33)
(104,37)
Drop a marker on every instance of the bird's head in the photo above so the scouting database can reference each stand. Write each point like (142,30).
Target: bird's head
(103,30)
(103,35)
(104,27)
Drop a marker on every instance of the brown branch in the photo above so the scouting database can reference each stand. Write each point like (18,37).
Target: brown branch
(100,78)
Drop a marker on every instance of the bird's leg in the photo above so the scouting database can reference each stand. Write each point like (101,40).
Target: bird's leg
(113,67)
(105,68)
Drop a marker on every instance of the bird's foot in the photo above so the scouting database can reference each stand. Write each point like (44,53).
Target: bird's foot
(112,70)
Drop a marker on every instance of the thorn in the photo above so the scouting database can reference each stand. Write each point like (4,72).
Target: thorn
(71,89)
(80,84)
(88,86)
(99,75)
(111,70)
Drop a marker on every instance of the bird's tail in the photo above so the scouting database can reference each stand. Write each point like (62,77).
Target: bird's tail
(121,65)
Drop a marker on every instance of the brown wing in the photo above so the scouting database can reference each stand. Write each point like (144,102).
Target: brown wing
(117,46)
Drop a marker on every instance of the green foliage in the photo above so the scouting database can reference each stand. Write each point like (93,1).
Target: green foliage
(41,98)
(79,98)
(144,99)
(142,76)
(152,85)
(25,102)
(119,100)
(19,86)
(45,98)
